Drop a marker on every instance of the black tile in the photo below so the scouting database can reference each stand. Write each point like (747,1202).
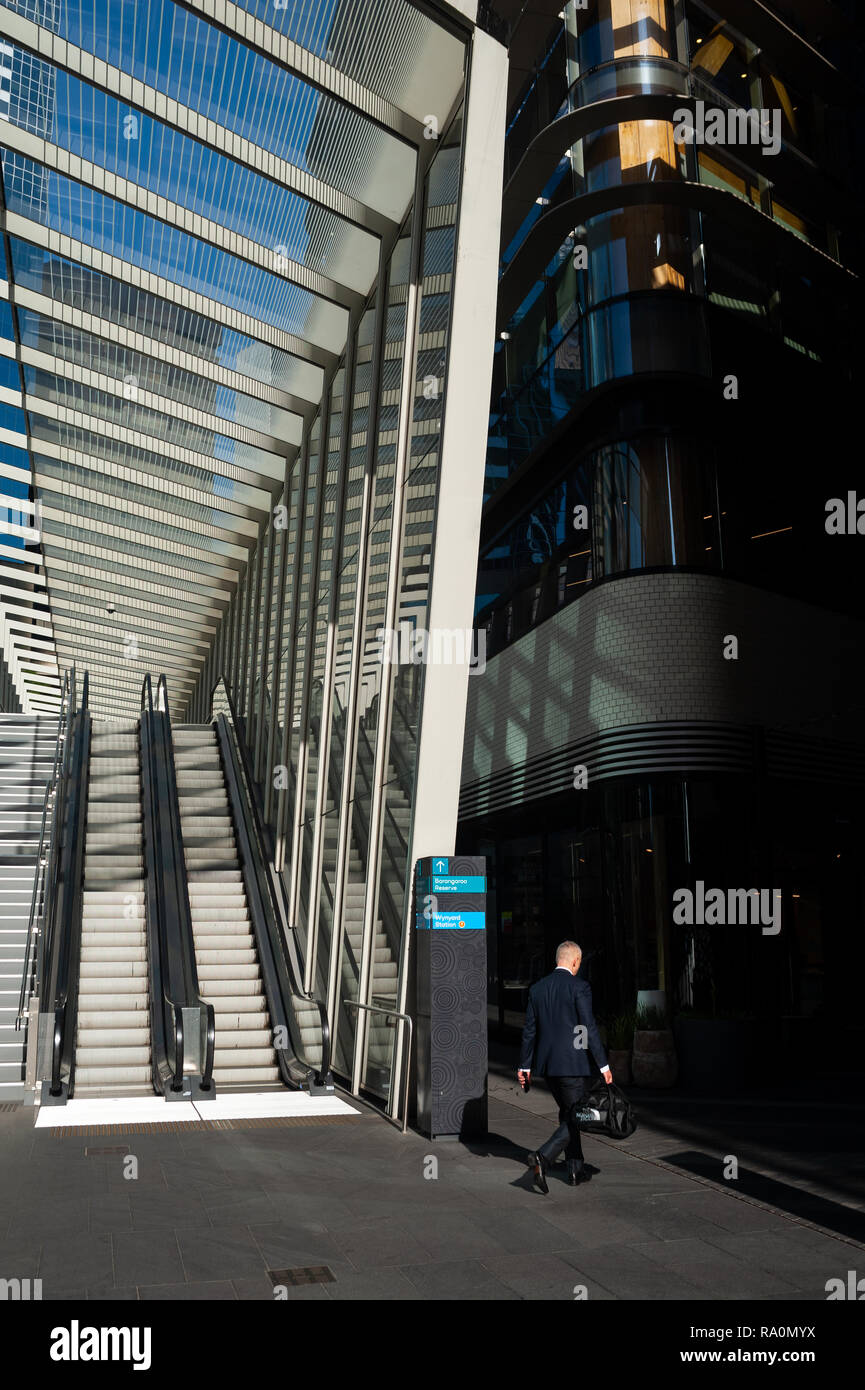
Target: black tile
(379,1242)
(373,1286)
(459,1279)
(147,1257)
(227,1252)
(213,1291)
(77,1263)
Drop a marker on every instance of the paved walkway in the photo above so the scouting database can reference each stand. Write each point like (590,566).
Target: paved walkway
(211,1214)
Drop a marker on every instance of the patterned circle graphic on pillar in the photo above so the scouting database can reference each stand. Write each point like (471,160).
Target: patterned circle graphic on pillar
(443,1075)
(445,1035)
(458,1026)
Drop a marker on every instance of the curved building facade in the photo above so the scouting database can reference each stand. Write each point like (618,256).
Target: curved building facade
(668,582)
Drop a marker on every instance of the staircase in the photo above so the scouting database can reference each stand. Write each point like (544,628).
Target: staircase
(385,969)
(229,974)
(112,1050)
(26,759)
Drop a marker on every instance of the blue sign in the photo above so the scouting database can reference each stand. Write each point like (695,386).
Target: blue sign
(457,921)
(450,893)
(470,883)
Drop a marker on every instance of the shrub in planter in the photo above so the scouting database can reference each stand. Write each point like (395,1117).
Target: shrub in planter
(654,1061)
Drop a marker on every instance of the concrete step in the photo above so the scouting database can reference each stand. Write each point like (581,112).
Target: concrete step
(236,1006)
(257,1057)
(135,1019)
(118,974)
(103,993)
(240,1075)
(231,972)
(109,1077)
(229,987)
(115,1056)
(250,1041)
(104,1035)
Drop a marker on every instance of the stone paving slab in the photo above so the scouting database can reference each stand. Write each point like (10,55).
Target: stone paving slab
(210,1215)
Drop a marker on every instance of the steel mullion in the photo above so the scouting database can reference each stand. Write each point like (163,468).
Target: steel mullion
(296,570)
(277,648)
(265,646)
(356,669)
(383,718)
(308,659)
(327,677)
(255,622)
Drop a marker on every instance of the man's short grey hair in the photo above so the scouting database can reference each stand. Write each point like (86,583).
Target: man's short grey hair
(567,951)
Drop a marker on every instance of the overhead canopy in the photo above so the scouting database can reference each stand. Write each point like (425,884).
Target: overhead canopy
(194,216)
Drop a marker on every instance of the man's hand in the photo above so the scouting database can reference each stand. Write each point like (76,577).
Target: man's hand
(523,1077)
(607,1075)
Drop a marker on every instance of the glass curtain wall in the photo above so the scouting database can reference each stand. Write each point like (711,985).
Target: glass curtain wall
(345,555)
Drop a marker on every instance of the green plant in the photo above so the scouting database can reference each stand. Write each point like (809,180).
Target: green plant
(620,1032)
(651,1019)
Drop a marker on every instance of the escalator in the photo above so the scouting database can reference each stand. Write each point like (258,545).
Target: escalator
(156,961)
(112,1047)
(268,962)
(225,947)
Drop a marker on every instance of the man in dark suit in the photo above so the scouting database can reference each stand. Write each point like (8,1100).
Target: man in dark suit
(560,1029)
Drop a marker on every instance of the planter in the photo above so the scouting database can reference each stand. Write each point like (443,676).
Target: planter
(620,1065)
(651,999)
(715,1053)
(654,1061)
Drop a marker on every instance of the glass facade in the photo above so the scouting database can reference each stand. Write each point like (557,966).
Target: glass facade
(670,314)
(656,294)
(228,332)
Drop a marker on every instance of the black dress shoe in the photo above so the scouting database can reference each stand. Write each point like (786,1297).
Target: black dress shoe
(538,1167)
(577,1172)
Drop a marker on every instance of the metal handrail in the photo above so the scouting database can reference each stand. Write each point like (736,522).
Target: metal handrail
(154,904)
(64,958)
(177,995)
(37,896)
(404,1018)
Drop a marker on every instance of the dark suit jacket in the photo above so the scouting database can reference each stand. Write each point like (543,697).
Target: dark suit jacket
(558,1004)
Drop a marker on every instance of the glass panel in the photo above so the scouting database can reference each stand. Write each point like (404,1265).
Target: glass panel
(94,293)
(420,488)
(181,55)
(119,230)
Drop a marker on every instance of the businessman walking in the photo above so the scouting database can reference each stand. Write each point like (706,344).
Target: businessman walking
(560,1028)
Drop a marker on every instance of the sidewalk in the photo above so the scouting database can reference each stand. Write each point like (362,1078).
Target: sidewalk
(799,1149)
(224,1214)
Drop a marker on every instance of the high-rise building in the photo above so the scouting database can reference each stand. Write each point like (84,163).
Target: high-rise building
(672,609)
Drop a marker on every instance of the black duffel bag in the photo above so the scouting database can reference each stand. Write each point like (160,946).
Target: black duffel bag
(617,1116)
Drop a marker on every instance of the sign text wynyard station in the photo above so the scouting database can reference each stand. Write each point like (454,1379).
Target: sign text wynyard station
(450,899)
(451,983)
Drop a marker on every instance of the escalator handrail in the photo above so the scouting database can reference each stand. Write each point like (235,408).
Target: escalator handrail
(176,965)
(44,863)
(64,943)
(280,948)
(162,1006)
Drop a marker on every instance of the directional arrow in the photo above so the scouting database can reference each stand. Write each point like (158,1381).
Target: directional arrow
(440,865)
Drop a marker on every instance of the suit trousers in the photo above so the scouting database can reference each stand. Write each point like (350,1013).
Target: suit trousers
(567,1090)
